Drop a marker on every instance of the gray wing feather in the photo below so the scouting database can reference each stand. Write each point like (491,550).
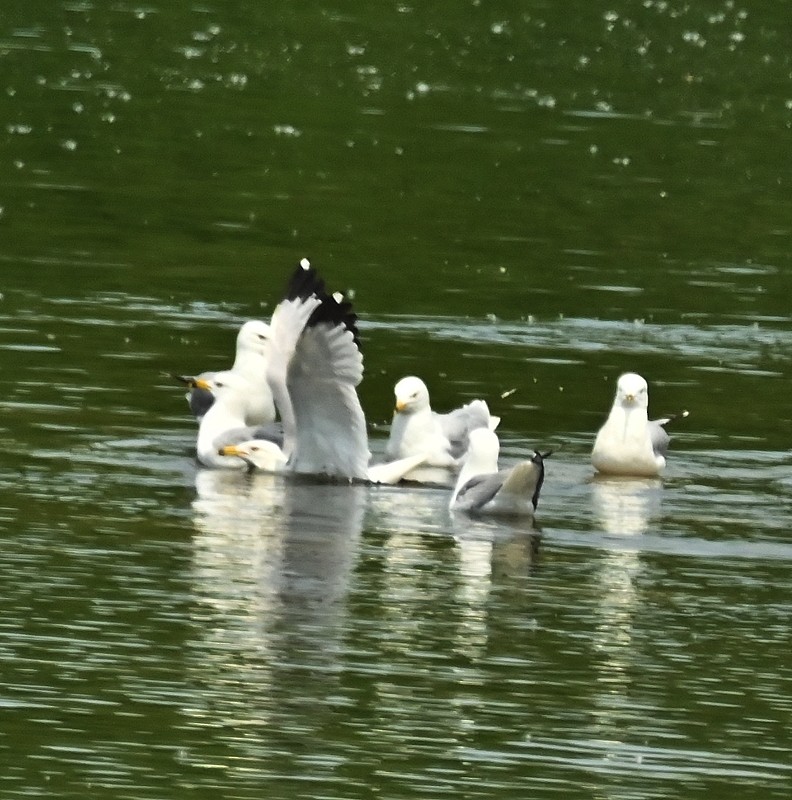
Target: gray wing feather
(480,490)
(659,437)
(457,424)
(331,435)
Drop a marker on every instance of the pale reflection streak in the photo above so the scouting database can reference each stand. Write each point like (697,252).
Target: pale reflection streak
(480,552)
(488,552)
(624,508)
(272,563)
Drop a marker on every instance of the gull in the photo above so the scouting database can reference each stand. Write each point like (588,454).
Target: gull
(263,455)
(484,489)
(250,362)
(629,443)
(314,367)
(225,422)
(442,438)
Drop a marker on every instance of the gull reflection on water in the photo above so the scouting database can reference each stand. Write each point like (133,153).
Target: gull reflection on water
(625,508)
(491,553)
(291,544)
(271,569)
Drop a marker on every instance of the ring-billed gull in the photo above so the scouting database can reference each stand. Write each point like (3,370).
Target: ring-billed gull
(250,362)
(629,443)
(443,438)
(267,456)
(484,489)
(313,369)
(224,421)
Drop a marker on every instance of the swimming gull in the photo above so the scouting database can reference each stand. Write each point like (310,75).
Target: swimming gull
(250,362)
(629,443)
(313,369)
(266,456)
(484,489)
(443,438)
(225,422)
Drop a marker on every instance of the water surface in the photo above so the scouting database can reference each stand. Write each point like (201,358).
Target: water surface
(526,202)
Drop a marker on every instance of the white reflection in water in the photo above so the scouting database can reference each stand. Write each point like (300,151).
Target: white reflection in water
(415,518)
(475,572)
(272,563)
(293,543)
(411,516)
(488,552)
(624,508)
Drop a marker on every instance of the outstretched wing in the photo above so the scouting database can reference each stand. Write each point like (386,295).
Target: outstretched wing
(315,366)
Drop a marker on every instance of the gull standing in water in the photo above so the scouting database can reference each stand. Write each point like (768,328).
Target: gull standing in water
(629,443)
(484,489)
(250,363)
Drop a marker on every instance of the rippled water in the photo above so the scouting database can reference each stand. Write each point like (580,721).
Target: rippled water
(170,628)
(526,202)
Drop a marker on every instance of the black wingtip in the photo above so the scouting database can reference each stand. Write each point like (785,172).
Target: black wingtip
(335,308)
(304,282)
(538,459)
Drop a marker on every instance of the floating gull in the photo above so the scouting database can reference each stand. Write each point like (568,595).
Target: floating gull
(484,489)
(266,456)
(252,356)
(314,366)
(629,443)
(442,438)
(225,422)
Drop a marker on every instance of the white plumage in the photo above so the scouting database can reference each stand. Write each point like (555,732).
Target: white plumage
(441,438)
(313,369)
(250,363)
(629,443)
(484,489)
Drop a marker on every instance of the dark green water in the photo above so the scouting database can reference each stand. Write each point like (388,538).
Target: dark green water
(525,196)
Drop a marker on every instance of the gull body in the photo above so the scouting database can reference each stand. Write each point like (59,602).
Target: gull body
(629,443)
(484,489)
(225,422)
(250,363)
(267,456)
(314,367)
(442,438)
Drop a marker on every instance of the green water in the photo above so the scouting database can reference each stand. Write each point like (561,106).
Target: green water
(527,199)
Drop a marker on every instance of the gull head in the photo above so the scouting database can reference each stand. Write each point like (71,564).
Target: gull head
(632,391)
(258,454)
(254,336)
(224,385)
(411,395)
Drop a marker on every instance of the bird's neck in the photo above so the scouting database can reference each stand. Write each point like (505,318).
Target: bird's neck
(221,417)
